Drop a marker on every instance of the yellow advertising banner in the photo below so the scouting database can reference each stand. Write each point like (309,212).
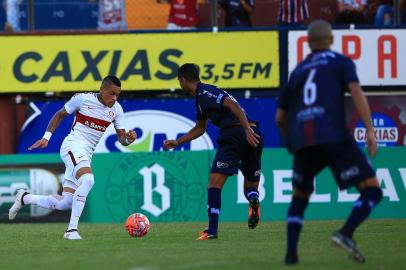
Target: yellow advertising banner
(142,61)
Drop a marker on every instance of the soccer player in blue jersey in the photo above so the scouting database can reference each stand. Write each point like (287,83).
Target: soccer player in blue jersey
(311,117)
(240,144)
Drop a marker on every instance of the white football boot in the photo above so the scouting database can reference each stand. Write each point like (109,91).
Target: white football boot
(72,235)
(12,213)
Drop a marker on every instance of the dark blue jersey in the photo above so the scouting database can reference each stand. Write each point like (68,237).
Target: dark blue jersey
(209,105)
(314,100)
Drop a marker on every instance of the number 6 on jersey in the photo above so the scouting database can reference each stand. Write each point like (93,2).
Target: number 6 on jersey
(310,89)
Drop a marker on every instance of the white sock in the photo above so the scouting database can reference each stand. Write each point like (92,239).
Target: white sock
(32,199)
(79,199)
(57,202)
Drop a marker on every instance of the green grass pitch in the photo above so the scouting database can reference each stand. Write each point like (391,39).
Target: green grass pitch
(173,246)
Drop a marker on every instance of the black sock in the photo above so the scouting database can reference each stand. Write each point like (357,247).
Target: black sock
(214,206)
(295,222)
(369,198)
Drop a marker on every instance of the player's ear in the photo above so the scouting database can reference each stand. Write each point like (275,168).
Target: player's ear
(331,40)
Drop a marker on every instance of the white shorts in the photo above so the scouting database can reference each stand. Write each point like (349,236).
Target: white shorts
(75,157)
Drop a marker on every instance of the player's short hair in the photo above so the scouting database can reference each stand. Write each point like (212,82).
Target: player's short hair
(111,79)
(189,71)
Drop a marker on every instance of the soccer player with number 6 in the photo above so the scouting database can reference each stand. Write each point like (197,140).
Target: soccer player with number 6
(94,112)
(311,116)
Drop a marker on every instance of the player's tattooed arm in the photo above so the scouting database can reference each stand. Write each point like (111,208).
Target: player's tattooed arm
(52,126)
(197,131)
(56,120)
(126,138)
(235,108)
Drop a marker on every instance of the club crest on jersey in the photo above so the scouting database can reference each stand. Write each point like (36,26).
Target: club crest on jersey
(111,114)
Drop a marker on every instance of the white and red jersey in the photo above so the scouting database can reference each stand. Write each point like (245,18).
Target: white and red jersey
(91,120)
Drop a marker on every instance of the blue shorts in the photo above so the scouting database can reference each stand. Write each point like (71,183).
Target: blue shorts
(235,153)
(347,162)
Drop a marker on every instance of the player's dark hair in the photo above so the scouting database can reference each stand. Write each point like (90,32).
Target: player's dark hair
(111,79)
(189,71)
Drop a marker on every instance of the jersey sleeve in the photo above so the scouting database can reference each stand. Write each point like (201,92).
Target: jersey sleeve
(74,103)
(119,119)
(349,72)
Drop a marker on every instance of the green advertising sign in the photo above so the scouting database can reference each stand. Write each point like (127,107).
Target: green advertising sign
(171,186)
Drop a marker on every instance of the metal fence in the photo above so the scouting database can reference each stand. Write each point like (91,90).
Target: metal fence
(113,15)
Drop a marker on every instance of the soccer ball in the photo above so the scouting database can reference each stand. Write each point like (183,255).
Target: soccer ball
(137,225)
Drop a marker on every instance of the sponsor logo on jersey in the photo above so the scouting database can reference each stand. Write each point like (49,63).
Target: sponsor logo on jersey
(93,123)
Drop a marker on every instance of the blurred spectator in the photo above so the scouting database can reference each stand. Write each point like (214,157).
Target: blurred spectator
(13,16)
(237,12)
(182,14)
(351,11)
(111,15)
(293,15)
(385,12)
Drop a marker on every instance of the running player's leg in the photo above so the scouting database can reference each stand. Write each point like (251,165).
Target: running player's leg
(251,169)
(226,163)
(351,168)
(306,164)
(216,183)
(85,177)
(58,202)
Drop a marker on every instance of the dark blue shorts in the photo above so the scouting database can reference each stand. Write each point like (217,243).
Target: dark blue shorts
(235,153)
(347,162)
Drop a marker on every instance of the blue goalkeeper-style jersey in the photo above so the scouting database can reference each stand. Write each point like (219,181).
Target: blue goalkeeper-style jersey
(314,100)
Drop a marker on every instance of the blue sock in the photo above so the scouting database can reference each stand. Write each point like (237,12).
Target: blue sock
(214,206)
(251,192)
(369,198)
(295,222)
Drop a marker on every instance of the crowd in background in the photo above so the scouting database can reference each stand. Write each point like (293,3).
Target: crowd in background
(184,14)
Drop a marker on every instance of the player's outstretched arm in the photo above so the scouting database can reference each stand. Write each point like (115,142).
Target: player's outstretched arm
(52,125)
(235,108)
(126,138)
(364,111)
(197,131)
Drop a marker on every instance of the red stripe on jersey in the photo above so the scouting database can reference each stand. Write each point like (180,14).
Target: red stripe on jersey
(93,123)
(309,132)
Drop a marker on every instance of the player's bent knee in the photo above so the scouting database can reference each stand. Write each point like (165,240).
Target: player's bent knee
(372,195)
(88,179)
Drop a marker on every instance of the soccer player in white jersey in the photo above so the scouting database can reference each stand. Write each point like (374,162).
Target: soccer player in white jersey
(94,112)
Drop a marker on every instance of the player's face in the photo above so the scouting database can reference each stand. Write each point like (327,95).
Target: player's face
(184,85)
(110,94)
